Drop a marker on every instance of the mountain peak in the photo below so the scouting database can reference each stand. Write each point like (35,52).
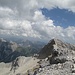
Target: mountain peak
(55,41)
(55,45)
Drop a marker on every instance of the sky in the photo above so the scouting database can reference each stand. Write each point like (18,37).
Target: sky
(38,19)
(61,17)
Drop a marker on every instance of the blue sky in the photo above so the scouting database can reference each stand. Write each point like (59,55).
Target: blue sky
(61,17)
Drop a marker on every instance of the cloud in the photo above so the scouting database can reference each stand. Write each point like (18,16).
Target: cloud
(64,4)
(70,32)
(24,18)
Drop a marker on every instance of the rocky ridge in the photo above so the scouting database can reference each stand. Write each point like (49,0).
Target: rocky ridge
(55,58)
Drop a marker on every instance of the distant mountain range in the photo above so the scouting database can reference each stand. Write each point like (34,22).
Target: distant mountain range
(10,50)
(6,50)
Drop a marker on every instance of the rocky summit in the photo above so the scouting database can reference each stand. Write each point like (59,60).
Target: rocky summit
(55,58)
(58,47)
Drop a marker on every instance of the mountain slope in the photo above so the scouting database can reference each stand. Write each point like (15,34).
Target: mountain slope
(6,49)
(20,66)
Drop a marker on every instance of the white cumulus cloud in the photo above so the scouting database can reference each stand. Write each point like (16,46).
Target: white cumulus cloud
(24,18)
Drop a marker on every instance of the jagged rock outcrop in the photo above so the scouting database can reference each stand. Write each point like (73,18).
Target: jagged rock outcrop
(57,48)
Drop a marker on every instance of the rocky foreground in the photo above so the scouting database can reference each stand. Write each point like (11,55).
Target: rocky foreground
(55,58)
(19,66)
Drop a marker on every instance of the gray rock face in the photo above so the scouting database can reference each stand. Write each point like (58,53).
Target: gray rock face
(57,48)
